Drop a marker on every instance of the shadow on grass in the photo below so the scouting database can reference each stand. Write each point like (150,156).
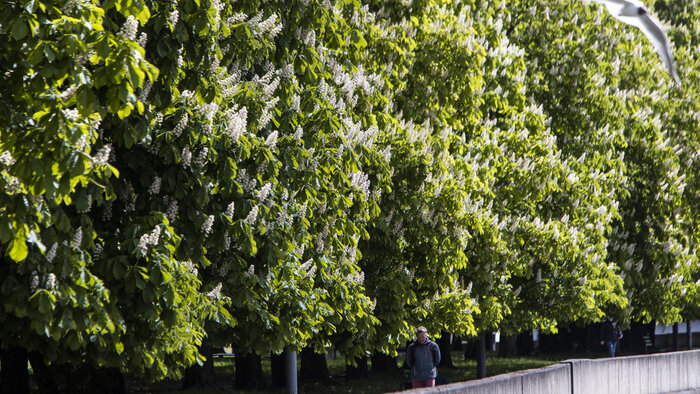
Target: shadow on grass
(375,382)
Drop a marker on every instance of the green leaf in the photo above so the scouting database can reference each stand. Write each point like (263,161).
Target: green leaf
(61,220)
(118,270)
(81,202)
(124,111)
(46,302)
(17,249)
(5,231)
(19,29)
(50,56)
(113,170)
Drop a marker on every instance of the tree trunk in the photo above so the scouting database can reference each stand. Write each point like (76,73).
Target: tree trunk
(69,378)
(75,379)
(43,374)
(633,339)
(278,369)
(107,381)
(249,375)
(481,356)
(490,341)
(572,340)
(676,344)
(291,364)
(688,335)
(591,338)
(445,345)
(357,372)
(525,344)
(314,367)
(579,339)
(551,344)
(456,343)
(14,376)
(201,375)
(471,349)
(508,347)
(382,362)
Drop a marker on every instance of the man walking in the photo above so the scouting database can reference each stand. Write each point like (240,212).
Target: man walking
(423,357)
(610,335)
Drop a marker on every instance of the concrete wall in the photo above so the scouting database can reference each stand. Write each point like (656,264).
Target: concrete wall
(657,373)
(555,379)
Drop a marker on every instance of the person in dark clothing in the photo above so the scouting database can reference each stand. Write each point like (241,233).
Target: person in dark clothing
(610,335)
(423,357)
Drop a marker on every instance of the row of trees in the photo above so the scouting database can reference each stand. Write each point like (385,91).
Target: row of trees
(195,173)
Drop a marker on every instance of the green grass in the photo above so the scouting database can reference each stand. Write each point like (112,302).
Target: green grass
(379,382)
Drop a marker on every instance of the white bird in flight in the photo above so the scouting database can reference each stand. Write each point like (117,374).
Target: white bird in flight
(634,13)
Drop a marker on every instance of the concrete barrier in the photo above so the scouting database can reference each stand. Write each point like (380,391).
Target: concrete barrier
(656,373)
(555,379)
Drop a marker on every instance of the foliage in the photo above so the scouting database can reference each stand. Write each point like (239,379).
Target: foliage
(305,173)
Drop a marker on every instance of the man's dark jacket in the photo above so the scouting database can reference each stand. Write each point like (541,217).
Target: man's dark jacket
(608,332)
(423,359)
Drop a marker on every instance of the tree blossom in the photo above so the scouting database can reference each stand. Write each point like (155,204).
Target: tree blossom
(215,292)
(252,216)
(186,157)
(6,158)
(51,282)
(177,131)
(171,212)
(207,225)
(51,254)
(77,238)
(103,155)
(155,186)
(271,140)
(151,238)
(174,17)
(129,28)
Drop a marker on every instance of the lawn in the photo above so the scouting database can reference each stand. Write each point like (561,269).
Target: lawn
(375,382)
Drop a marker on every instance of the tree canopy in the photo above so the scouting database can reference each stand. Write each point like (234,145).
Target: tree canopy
(310,173)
